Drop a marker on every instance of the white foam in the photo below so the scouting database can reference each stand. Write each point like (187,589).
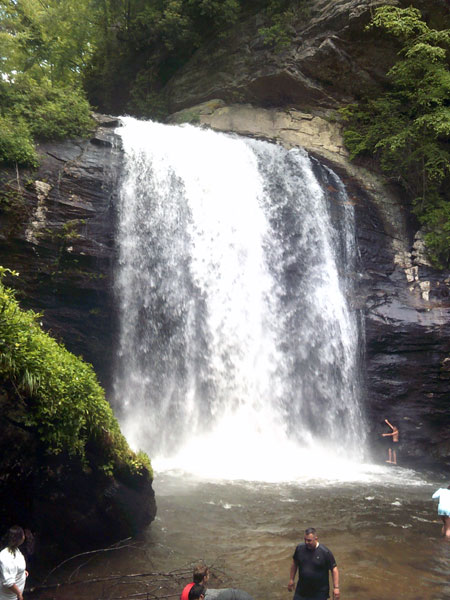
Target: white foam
(227,351)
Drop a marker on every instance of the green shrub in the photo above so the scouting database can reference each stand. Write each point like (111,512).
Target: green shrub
(16,143)
(52,112)
(60,395)
(32,110)
(283,15)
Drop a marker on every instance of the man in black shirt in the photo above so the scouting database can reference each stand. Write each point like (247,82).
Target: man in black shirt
(313,561)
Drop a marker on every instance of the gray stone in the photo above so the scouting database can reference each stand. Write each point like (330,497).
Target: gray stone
(328,39)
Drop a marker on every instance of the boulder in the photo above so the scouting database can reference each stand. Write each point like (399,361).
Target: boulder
(70,506)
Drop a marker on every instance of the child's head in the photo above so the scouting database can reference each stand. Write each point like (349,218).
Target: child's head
(201,574)
(197,592)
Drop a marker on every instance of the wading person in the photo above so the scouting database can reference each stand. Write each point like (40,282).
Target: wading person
(12,565)
(314,562)
(197,592)
(392,452)
(201,576)
(444,509)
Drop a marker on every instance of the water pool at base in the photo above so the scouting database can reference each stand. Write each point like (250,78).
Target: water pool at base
(384,533)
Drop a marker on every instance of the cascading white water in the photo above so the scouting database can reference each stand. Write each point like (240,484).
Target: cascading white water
(238,351)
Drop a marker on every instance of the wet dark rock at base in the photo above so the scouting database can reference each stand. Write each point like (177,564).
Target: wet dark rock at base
(67,505)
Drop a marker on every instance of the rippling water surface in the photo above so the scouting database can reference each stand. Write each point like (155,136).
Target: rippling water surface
(384,533)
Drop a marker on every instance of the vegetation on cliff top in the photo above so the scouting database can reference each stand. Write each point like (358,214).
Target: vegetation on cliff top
(45,47)
(407,128)
(57,394)
(119,54)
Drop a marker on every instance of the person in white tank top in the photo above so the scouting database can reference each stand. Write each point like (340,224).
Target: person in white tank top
(444,509)
(12,566)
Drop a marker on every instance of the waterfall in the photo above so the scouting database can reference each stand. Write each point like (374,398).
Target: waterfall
(238,351)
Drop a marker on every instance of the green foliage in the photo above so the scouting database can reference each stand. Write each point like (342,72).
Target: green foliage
(31,110)
(407,128)
(45,47)
(437,222)
(46,39)
(51,112)
(16,145)
(58,394)
(144,101)
(283,14)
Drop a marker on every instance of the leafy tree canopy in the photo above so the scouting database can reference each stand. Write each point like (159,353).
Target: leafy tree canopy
(44,48)
(118,53)
(407,128)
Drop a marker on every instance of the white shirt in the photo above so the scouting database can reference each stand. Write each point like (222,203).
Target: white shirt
(12,571)
(444,499)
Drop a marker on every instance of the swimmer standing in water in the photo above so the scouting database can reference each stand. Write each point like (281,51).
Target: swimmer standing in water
(392,453)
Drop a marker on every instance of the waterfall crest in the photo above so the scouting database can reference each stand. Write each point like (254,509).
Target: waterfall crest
(238,350)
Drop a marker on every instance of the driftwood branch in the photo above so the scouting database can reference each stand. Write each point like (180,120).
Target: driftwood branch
(116,546)
(111,578)
(154,585)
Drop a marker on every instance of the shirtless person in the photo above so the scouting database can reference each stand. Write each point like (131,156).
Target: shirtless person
(394,434)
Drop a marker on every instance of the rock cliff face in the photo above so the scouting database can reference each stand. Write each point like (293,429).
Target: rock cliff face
(327,38)
(330,59)
(58,232)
